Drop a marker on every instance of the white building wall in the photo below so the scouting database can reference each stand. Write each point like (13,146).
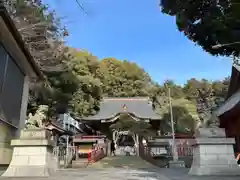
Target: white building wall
(69,123)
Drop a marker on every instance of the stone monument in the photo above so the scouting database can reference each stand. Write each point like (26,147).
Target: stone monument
(33,151)
(212,152)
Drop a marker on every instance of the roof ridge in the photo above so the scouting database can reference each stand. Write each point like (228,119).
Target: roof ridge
(127,98)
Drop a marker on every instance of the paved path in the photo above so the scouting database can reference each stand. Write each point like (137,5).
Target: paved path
(134,174)
(124,168)
(126,162)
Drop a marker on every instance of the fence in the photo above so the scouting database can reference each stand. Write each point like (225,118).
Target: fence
(157,156)
(64,155)
(184,150)
(96,154)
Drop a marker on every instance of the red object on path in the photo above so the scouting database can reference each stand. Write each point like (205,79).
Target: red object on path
(95,155)
(89,156)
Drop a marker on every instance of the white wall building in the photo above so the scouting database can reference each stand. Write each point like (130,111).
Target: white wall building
(68,123)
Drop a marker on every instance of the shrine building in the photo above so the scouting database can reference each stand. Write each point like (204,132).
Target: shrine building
(229,111)
(138,108)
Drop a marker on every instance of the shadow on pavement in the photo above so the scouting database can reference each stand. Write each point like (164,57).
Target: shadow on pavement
(128,162)
(126,168)
(182,174)
(140,169)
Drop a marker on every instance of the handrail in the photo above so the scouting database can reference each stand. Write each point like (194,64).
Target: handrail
(95,154)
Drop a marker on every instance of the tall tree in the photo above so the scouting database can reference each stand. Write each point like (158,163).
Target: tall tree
(43,34)
(85,100)
(123,78)
(207,22)
(176,91)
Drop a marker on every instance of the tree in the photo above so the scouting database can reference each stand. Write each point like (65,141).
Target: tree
(184,116)
(190,89)
(79,85)
(220,88)
(69,85)
(41,31)
(176,91)
(123,78)
(207,22)
(76,89)
(126,123)
(43,34)
(75,81)
(183,121)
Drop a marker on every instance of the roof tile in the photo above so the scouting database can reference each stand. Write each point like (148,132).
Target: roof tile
(141,107)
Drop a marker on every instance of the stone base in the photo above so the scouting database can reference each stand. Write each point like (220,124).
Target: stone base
(176,164)
(28,171)
(32,156)
(214,156)
(5,140)
(214,170)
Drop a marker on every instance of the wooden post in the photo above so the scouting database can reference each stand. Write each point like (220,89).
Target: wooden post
(76,149)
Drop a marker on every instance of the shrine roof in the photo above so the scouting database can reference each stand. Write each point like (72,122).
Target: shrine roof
(55,126)
(140,107)
(233,95)
(234,85)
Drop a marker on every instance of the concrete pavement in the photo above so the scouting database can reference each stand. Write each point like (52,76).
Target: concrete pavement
(126,168)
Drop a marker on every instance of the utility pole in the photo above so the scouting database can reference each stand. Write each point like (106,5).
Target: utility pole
(175,156)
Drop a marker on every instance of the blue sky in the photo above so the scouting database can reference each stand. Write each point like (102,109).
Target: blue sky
(137,31)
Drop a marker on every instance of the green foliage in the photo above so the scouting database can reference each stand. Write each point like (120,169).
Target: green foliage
(42,32)
(123,78)
(197,100)
(77,88)
(184,116)
(77,80)
(207,22)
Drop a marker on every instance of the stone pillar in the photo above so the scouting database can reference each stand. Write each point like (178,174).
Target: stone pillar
(23,112)
(32,155)
(213,153)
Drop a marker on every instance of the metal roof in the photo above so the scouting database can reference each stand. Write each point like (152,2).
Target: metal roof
(234,84)
(140,107)
(229,104)
(233,95)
